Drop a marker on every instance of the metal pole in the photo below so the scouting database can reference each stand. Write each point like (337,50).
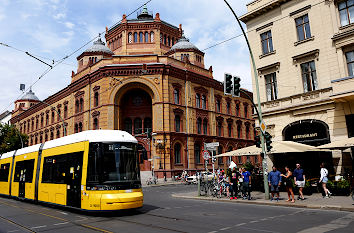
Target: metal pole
(264,162)
(64,127)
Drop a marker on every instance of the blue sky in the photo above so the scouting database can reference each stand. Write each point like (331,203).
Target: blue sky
(53,29)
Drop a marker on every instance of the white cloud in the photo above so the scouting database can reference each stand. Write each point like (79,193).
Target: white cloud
(69,25)
(59,16)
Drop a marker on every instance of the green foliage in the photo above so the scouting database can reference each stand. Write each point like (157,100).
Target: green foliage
(249,167)
(10,138)
(343,184)
(330,184)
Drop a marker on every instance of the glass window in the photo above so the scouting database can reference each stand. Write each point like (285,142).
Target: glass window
(58,135)
(303,27)
(220,159)
(177,153)
(24,171)
(135,37)
(219,129)
(229,129)
(176,96)
(147,125)
(237,109)
(238,131)
(267,42)
(218,106)
(199,126)
(53,119)
(350,62)
(197,100)
(95,124)
(197,152)
(177,123)
(203,102)
(246,111)
(4,172)
(130,38)
(346,12)
(128,125)
(228,108)
(138,128)
(146,37)
(309,77)
(76,130)
(247,132)
(96,99)
(80,127)
(81,105)
(141,37)
(151,36)
(65,111)
(205,127)
(271,86)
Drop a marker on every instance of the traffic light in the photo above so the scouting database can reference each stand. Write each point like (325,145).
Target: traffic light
(268,141)
(257,139)
(237,86)
(228,84)
(213,159)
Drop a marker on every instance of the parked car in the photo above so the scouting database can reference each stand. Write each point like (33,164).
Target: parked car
(194,178)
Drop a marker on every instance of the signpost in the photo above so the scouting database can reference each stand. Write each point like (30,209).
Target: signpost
(212,146)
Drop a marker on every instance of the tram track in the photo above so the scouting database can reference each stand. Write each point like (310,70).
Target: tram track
(16,224)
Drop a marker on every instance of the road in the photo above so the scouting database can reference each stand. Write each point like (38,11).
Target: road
(163,213)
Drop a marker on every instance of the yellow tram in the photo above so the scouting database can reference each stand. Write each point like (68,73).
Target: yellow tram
(92,170)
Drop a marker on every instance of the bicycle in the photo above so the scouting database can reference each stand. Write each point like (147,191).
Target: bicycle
(151,181)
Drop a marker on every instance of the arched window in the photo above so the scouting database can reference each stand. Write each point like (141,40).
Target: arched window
(53,116)
(229,129)
(65,112)
(59,115)
(40,139)
(31,140)
(96,99)
(151,36)
(165,40)
(77,106)
(237,109)
(197,152)
(147,125)
(220,151)
(176,96)
(32,125)
(80,127)
(177,150)
(161,38)
(141,37)
(135,37)
(146,37)
(51,135)
(199,126)
(141,153)
(177,123)
(36,140)
(58,134)
(173,40)
(247,132)
(204,102)
(218,106)
(37,124)
(130,38)
(46,119)
(219,125)
(76,128)
(46,137)
(138,128)
(128,125)
(197,100)
(81,105)
(169,41)
(95,124)
(238,131)
(205,127)
(42,121)
(24,127)
(246,111)
(228,108)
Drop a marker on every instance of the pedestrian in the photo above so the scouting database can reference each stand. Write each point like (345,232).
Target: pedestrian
(246,184)
(228,181)
(274,180)
(288,183)
(324,180)
(299,178)
(234,179)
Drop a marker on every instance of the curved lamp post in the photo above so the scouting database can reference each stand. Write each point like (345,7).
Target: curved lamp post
(264,162)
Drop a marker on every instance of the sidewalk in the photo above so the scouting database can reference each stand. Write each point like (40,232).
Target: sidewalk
(161,182)
(314,201)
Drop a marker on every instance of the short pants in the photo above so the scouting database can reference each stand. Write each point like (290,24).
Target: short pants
(300,184)
(274,188)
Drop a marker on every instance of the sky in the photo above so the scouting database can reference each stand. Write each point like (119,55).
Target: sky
(54,29)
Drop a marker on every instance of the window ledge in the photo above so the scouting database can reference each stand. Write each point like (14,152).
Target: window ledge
(304,41)
(346,26)
(267,54)
(178,164)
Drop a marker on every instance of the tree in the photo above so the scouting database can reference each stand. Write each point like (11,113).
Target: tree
(10,138)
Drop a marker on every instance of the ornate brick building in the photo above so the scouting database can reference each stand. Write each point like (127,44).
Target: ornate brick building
(149,78)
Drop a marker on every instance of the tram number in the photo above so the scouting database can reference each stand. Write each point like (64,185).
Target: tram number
(94,205)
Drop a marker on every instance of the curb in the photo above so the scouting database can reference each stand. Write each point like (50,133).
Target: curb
(159,185)
(255,202)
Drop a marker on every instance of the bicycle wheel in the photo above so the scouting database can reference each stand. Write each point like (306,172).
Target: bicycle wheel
(204,189)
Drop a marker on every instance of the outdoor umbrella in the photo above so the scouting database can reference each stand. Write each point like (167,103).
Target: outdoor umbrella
(278,148)
(349,142)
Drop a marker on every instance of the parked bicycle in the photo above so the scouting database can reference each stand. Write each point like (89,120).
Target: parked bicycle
(151,181)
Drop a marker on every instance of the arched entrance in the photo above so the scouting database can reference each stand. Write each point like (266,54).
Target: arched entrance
(135,117)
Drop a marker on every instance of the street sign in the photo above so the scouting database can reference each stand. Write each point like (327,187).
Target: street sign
(206,155)
(211,145)
(263,127)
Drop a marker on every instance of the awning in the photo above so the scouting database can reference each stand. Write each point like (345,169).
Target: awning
(278,148)
(342,144)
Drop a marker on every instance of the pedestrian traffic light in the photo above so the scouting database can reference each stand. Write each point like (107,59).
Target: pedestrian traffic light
(268,139)
(228,84)
(237,86)
(257,139)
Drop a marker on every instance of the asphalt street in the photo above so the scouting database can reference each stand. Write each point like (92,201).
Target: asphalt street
(163,213)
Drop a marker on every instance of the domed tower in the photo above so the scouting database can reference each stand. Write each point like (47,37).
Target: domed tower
(96,52)
(185,51)
(26,102)
(143,35)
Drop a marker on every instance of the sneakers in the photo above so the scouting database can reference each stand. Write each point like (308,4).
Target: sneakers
(277,199)
(329,193)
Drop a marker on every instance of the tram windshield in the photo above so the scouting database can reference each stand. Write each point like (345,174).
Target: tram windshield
(113,164)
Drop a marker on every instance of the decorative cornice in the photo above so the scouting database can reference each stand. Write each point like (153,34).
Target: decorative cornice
(177,85)
(201,90)
(219,119)
(79,93)
(263,69)
(96,88)
(311,55)
(178,111)
(95,114)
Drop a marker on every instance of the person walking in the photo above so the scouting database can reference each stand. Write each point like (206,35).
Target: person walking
(246,184)
(288,184)
(274,180)
(324,180)
(234,178)
(299,178)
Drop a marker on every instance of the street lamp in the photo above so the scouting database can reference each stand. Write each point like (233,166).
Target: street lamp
(264,162)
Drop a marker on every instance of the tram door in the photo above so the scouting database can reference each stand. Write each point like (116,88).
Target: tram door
(23,175)
(73,179)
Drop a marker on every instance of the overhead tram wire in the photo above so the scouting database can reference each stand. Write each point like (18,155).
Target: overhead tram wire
(58,62)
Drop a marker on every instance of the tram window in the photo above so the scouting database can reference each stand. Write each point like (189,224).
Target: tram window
(4,172)
(24,171)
